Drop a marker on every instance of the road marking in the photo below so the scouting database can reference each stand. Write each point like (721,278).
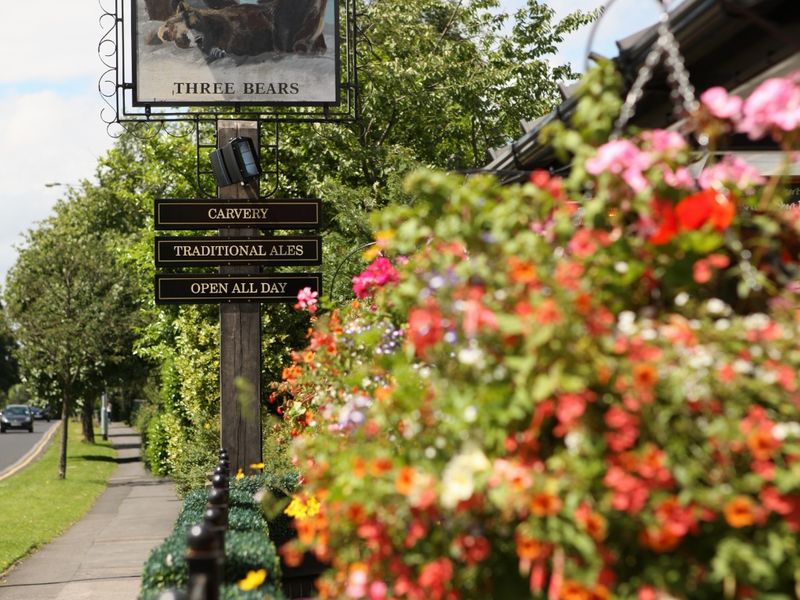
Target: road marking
(32,454)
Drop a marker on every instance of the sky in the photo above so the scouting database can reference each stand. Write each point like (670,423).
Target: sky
(50,126)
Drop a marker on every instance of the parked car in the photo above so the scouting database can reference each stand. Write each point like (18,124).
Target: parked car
(16,416)
(41,413)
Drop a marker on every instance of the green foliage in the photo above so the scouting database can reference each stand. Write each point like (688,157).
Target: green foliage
(247,547)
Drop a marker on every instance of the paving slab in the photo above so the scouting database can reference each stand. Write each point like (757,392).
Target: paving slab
(101,557)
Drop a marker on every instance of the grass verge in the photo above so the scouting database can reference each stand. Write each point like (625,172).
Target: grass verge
(36,506)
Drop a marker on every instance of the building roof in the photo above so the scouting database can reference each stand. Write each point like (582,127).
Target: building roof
(732,43)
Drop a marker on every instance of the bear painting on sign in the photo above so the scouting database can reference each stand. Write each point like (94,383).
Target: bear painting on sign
(213,52)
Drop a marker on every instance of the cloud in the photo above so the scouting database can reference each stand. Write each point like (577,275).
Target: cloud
(624,18)
(52,40)
(45,137)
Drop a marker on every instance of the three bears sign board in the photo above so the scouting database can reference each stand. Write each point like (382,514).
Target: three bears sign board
(251,52)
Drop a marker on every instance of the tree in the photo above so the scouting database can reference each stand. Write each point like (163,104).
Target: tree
(441,82)
(9,368)
(71,308)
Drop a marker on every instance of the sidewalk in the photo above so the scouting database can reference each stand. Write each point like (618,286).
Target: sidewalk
(101,556)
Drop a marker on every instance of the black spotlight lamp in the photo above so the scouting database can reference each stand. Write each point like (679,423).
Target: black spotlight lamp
(235,162)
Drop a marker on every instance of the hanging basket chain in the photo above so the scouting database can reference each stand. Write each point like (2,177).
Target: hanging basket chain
(682,92)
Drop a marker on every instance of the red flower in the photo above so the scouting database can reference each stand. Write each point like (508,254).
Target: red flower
(436,574)
(425,327)
(377,274)
(665,220)
(704,207)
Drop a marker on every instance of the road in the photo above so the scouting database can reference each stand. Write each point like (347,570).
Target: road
(14,444)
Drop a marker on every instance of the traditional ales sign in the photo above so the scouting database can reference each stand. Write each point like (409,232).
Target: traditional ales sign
(216,288)
(200,214)
(207,251)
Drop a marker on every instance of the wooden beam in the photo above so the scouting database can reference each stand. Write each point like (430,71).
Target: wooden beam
(240,339)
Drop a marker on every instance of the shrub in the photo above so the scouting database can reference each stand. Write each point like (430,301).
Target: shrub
(247,548)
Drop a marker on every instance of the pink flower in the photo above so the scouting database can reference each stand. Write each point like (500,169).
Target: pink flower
(476,315)
(664,142)
(720,104)
(582,244)
(377,274)
(307,300)
(378,590)
(731,170)
(774,105)
(679,178)
(623,158)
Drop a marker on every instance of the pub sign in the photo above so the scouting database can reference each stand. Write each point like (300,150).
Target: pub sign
(253,52)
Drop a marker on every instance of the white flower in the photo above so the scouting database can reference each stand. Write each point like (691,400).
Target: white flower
(621,267)
(458,479)
(649,334)
(573,441)
(756,321)
(627,322)
(783,430)
(715,306)
(470,414)
(470,356)
(722,324)
(681,299)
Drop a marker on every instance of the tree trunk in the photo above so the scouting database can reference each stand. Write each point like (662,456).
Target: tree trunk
(87,420)
(62,461)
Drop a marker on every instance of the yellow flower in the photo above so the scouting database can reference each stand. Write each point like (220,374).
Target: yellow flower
(302,510)
(239,475)
(207,426)
(382,239)
(258,466)
(253,580)
(312,506)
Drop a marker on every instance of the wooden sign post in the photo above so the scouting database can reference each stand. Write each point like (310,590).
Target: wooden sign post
(240,338)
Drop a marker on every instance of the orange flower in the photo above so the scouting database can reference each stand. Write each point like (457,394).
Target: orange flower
(521,271)
(404,482)
(644,376)
(356,513)
(529,548)
(600,592)
(762,444)
(572,590)
(659,540)
(379,466)
(595,525)
(359,467)
(547,312)
(739,512)
(545,504)
(382,394)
